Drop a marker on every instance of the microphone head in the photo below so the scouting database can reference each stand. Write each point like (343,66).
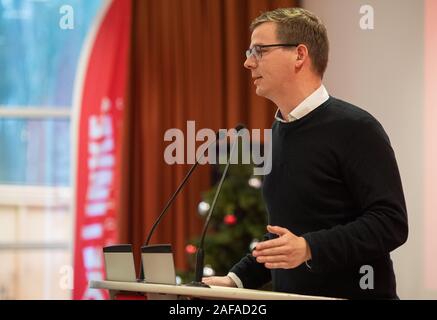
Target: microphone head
(240,126)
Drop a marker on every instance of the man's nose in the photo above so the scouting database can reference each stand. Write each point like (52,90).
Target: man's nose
(250,62)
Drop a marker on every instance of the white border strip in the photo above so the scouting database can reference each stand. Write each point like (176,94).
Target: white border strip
(34,112)
(24,246)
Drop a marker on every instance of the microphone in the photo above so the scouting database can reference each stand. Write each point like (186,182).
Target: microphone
(173,197)
(200,251)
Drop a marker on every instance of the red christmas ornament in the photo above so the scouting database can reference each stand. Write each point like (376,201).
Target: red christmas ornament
(230,219)
(190,249)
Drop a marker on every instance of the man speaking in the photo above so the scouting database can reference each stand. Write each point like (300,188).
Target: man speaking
(334,196)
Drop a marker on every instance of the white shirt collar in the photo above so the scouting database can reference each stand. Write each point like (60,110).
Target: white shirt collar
(314,100)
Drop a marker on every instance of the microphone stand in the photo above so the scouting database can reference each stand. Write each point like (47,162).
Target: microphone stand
(171,200)
(200,251)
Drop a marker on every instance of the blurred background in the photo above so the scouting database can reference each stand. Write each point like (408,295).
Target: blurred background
(89,87)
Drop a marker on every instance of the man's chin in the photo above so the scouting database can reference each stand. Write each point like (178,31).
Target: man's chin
(259,91)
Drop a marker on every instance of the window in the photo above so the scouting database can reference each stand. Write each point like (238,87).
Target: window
(38,63)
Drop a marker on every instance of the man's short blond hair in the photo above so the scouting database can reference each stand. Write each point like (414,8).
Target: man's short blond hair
(297,25)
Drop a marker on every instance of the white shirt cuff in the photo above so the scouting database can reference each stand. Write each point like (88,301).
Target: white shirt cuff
(235,278)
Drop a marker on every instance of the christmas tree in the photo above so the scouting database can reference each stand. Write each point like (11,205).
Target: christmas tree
(237,224)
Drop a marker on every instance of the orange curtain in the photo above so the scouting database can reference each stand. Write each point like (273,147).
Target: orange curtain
(186,64)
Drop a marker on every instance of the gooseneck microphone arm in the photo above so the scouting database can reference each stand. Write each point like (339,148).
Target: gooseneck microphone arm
(181,185)
(164,211)
(172,198)
(200,250)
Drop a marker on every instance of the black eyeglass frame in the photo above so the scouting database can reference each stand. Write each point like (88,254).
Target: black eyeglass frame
(257,48)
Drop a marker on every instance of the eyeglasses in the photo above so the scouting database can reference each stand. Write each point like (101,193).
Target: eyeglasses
(257,50)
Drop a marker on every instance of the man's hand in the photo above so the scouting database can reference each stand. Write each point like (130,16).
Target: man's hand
(219,281)
(286,252)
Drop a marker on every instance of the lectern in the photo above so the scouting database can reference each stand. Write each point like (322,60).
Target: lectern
(159,279)
(163,291)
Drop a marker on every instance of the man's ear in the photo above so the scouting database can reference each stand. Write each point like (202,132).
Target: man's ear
(302,55)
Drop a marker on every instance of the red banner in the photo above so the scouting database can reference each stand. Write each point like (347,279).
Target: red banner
(99,99)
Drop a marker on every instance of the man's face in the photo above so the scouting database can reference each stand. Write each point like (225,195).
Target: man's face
(273,73)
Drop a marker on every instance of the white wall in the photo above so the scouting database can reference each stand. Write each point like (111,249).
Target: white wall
(381,70)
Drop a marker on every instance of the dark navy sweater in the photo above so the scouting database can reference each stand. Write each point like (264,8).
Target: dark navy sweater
(334,181)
